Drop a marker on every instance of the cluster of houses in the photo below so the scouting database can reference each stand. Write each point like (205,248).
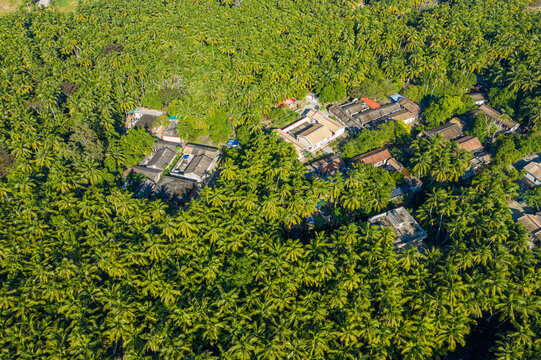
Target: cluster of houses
(532,222)
(175,171)
(367,114)
(317,128)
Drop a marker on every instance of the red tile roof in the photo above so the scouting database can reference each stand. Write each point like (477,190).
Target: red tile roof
(371,103)
(373,157)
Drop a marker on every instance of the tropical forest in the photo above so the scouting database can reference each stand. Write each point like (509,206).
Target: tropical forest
(257,179)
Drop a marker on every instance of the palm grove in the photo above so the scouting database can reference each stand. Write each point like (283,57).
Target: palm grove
(87,271)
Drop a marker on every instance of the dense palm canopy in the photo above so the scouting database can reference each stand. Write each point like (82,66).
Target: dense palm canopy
(88,271)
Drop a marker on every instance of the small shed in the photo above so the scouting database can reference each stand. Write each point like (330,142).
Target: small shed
(395,97)
(232,143)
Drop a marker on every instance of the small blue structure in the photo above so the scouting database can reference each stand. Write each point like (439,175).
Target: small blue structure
(233,143)
(395,97)
(310,221)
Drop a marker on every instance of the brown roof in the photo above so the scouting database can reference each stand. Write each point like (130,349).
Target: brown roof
(458,122)
(448,130)
(402,115)
(373,157)
(410,105)
(309,129)
(354,108)
(343,116)
(534,168)
(469,143)
(490,112)
(477,96)
(532,223)
(389,108)
(330,165)
(369,116)
(316,134)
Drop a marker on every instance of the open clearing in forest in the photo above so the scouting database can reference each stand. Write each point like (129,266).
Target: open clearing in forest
(8,5)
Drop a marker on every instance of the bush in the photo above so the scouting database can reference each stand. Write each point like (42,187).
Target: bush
(152,100)
(376,89)
(331,91)
(414,92)
(445,107)
(162,120)
(220,129)
(392,132)
(279,117)
(533,197)
(502,99)
(482,127)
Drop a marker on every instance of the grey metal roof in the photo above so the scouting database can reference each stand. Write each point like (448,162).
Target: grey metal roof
(199,165)
(173,188)
(162,159)
(152,174)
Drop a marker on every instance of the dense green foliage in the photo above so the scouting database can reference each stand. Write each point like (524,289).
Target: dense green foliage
(533,197)
(366,140)
(331,91)
(445,107)
(439,159)
(88,271)
(483,127)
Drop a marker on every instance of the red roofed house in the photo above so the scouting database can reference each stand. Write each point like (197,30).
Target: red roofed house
(329,166)
(378,157)
(473,145)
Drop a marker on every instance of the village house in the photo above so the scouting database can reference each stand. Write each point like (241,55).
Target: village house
(142,117)
(473,145)
(344,116)
(532,223)
(458,122)
(533,173)
(502,122)
(409,234)
(382,158)
(311,133)
(449,131)
(171,132)
(478,98)
(378,157)
(197,163)
(403,109)
(344,113)
(146,118)
(329,166)
(409,105)
(144,189)
(163,155)
(174,190)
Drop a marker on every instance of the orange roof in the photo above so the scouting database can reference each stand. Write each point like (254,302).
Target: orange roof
(371,103)
(373,157)
(469,143)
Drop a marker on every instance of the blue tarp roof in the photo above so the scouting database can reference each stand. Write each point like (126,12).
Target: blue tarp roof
(395,97)
(233,143)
